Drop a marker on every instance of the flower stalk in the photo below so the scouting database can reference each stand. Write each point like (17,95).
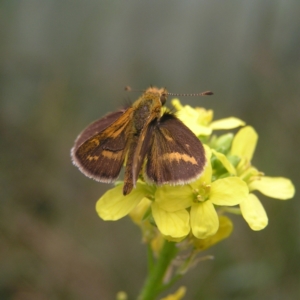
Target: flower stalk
(154,283)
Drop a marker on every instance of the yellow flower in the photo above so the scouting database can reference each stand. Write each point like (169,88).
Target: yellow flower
(243,146)
(199,120)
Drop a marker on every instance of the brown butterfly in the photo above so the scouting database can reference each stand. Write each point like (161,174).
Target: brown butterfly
(145,139)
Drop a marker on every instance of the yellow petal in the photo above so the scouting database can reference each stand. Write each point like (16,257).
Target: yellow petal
(205,178)
(192,118)
(207,173)
(139,211)
(274,187)
(244,143)
(114,206)
(225,229)
(173,198)
(207,152)
(188,115)
(177,104)
(225,162)
(200,129)
(254,213)
(228,191)
(178,295)
(227,123)
(174,224)
(205,115)
(193,125)
(204,220)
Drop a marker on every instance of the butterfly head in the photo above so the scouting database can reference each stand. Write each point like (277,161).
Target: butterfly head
(159,95)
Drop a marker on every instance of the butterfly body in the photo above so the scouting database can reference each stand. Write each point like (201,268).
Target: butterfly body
(159,144)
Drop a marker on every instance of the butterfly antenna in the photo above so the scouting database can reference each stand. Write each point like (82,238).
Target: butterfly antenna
(207,93)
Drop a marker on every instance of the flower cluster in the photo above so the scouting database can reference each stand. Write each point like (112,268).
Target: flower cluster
(196,210)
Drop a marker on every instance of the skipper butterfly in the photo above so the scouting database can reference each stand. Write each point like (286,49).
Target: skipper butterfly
(157,145)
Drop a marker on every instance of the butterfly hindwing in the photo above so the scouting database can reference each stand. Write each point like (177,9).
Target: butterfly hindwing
(100,150)
(176,155)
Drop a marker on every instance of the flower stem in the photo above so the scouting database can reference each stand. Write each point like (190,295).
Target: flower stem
(153,284)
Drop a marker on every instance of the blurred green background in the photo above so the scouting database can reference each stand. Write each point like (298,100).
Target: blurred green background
(64,64)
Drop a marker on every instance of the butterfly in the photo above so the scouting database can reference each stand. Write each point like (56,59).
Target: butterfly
(149,142)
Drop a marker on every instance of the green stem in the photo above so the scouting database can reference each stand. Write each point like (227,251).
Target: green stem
(150,258)
(153,284)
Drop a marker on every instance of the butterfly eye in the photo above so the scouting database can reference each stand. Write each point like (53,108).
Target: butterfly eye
(163,98)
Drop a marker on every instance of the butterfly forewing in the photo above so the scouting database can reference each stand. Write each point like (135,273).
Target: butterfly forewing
(96,127)
(102,152)
(176,156)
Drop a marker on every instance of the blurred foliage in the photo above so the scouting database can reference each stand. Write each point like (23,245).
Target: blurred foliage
(65,63)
